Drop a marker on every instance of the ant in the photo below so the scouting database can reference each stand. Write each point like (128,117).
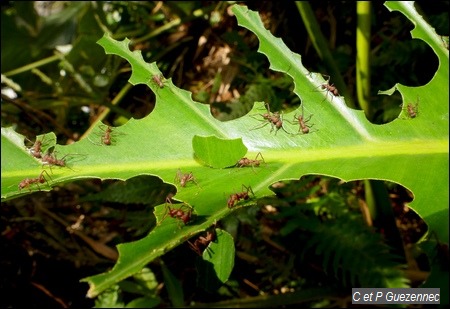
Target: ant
(302,122)
(202,242)
(157,79)
(249,162)
(36,149)
(178,213)
(183,179)
(412,109)
(51,159)
(275,119)
(236,197)
(105,138)
(329,88)
(27,182)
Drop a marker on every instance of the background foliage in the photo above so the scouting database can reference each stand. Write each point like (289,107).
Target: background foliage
(76,93)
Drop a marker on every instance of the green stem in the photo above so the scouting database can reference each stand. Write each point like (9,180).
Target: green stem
(33,65)
(321,46)
(363,55)
(380,206)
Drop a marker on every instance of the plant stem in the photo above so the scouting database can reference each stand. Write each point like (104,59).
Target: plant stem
(363,56)
(321,46)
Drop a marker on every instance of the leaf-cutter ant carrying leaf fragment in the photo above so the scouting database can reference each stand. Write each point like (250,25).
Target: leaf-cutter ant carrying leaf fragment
(202,242)
(36,149)
(183,213)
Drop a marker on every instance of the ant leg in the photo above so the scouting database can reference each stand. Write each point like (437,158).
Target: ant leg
(39,188)
(327,79)
(267,106)
(167,207)
(248,189)
(41,176)
(306,120)
(178,177)
(94,142)
(260,155)
(261,126)
(194,248)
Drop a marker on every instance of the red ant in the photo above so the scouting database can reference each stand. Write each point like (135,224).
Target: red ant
(51,159)
(249,162)
(178,213)
(302,122)
(236,197)
(36,149)
(202,242)
(105,138)
(329,88)
(412,109)
(275,119)
(183,179)
(27,182)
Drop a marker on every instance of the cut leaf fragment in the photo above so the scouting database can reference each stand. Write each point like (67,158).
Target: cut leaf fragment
(217,152)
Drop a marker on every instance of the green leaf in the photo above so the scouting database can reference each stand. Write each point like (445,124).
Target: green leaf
(398,151)
(144,302)
(217,262)
(344,144)
(174,288)
(109,298)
